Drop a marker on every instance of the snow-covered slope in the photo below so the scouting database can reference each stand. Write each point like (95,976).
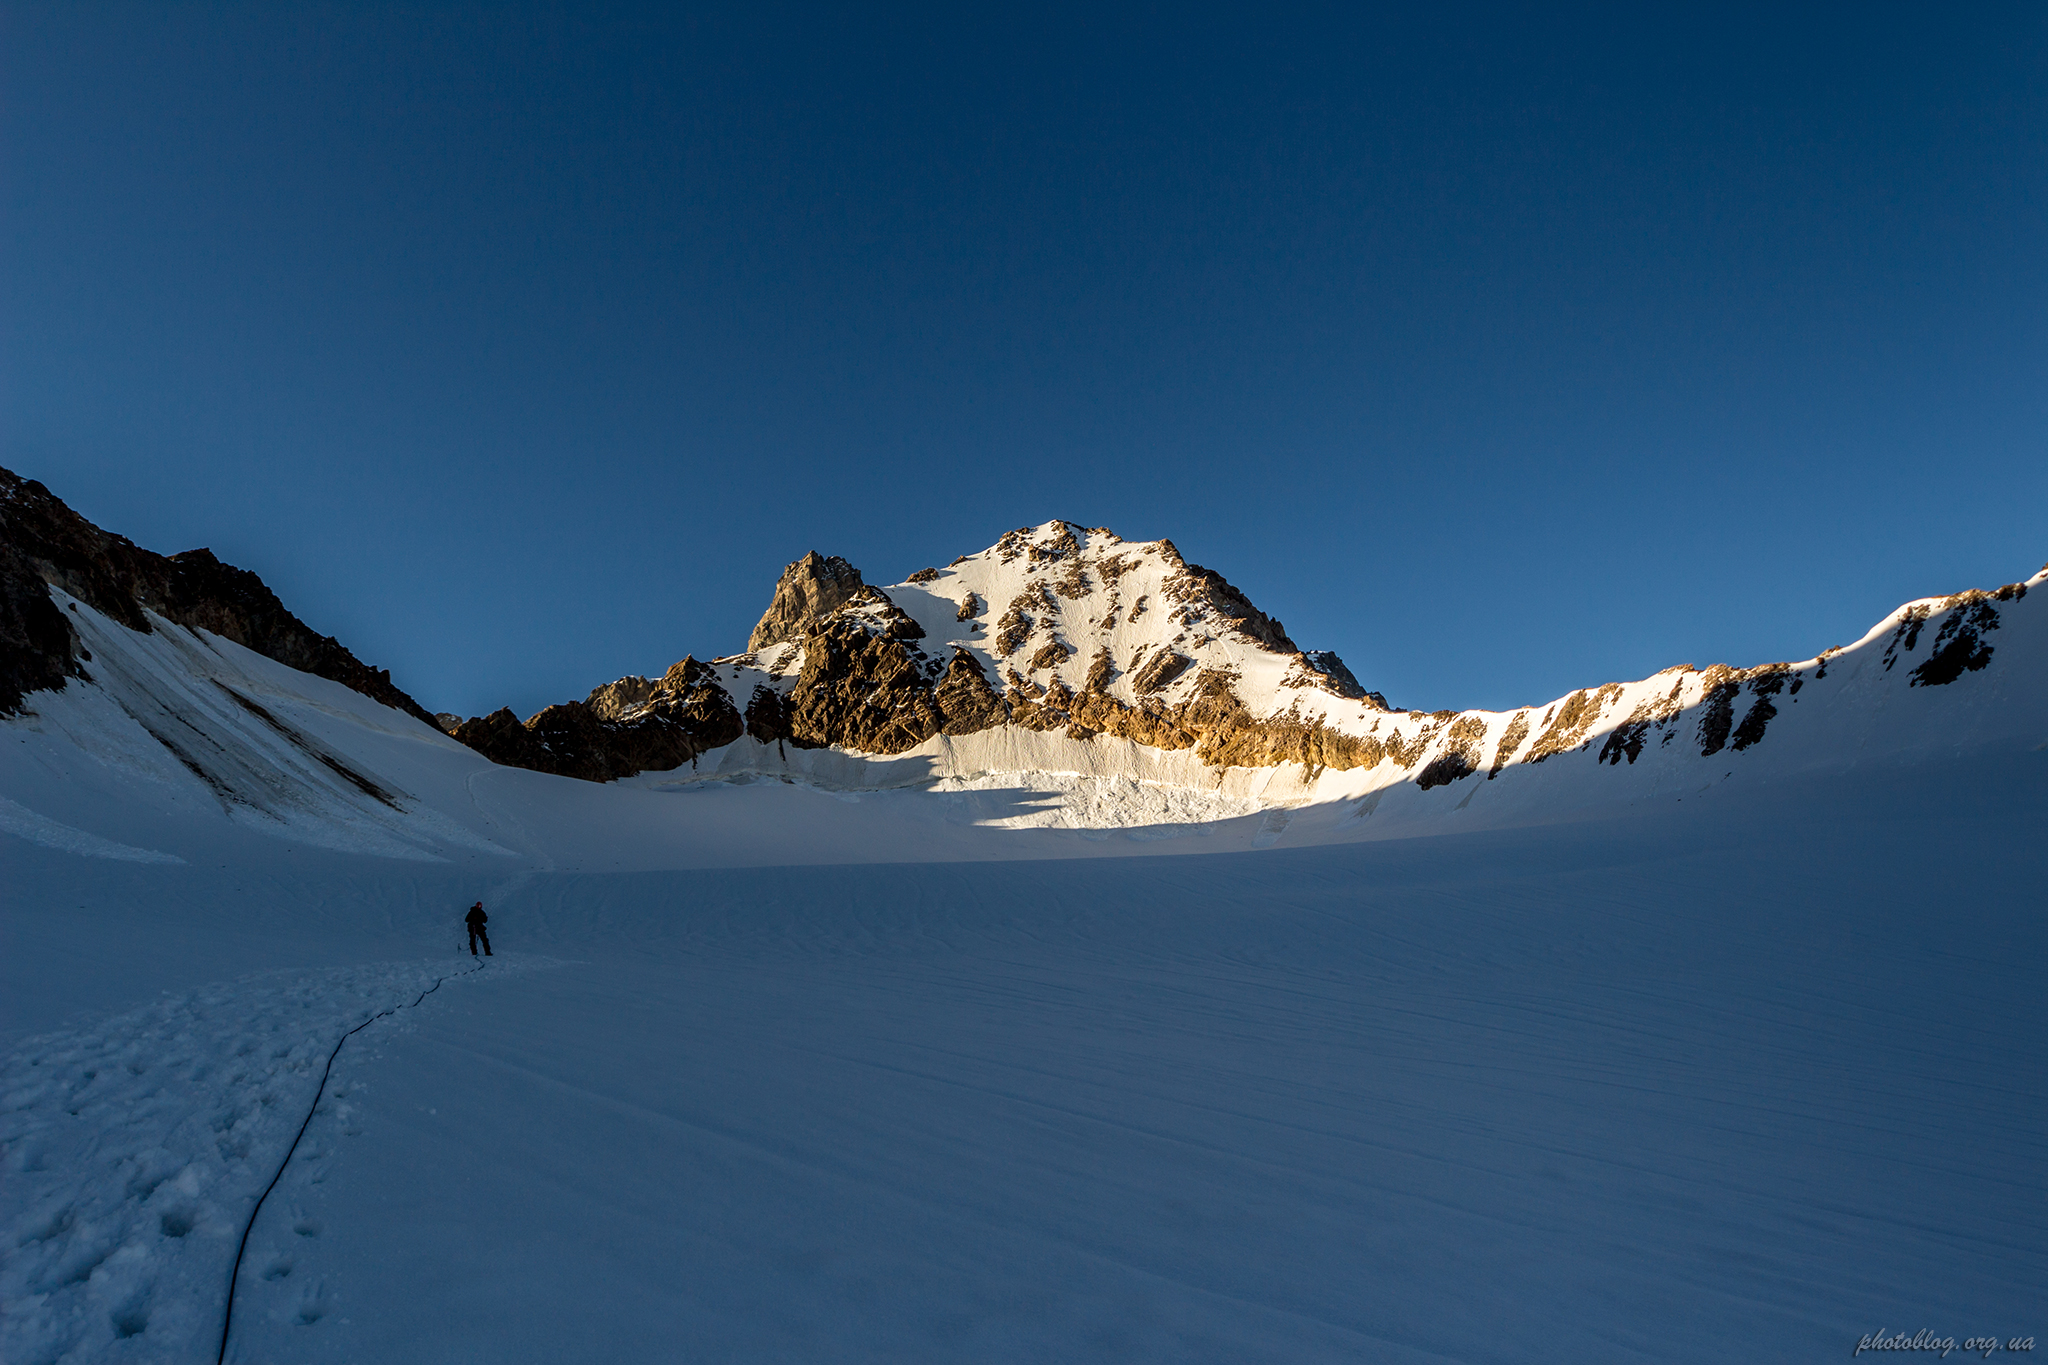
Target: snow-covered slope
(1685,1083)
(1139,698)
(177,730)
(1707,1015)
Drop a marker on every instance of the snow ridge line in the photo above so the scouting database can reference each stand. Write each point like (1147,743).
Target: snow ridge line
(227,1320)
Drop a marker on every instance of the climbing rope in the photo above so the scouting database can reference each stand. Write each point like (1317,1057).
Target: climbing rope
(227,1320)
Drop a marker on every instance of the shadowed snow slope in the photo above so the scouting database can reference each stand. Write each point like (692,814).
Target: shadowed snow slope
(1644,1053)
(1659,1086)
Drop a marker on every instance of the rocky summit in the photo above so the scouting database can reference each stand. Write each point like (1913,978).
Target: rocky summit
(812,588)
(1054,628)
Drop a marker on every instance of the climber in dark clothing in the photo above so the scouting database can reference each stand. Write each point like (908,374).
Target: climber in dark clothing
(475,919)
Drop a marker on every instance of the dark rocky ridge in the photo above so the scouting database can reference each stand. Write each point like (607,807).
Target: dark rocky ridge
(38,649)
(630,726)
(43,542)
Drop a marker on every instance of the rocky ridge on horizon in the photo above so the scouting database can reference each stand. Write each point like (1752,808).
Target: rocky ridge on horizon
(43,543)
(1058,628)
(630,726)
(1070,633)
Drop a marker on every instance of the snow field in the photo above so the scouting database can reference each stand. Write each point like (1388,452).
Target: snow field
(1674,1088)
(134,1149)
(913,1060)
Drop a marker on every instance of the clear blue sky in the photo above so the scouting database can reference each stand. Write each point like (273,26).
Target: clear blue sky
(1501,350)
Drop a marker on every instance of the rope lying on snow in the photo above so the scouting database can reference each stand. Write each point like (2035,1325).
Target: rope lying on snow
(227,1320)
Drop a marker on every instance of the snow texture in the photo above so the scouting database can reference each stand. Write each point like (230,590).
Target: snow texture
(136,1145)
(1030,1052)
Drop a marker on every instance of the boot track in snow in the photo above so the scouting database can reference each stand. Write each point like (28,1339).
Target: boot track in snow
(227,1321)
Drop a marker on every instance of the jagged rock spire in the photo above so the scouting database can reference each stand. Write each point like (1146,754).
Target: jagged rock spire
(814,586)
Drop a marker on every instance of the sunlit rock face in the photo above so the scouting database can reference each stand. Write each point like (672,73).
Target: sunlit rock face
(813,587)
(1054,628)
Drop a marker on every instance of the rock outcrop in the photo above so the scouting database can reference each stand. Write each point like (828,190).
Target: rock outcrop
(38,649)
(630,726)
(866,685)
(43,542)
(813,587)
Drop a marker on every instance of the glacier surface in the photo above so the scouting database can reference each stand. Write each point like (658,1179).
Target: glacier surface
(1672,1059)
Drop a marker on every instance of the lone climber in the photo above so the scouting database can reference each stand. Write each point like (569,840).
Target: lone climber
(476,919)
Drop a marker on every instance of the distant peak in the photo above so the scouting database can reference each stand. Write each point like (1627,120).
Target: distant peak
(814,586)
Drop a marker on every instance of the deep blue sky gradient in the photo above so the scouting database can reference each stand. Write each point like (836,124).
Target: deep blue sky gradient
(1501,350)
